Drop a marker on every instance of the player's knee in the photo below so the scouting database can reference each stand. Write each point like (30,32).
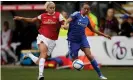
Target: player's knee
(90,57)
(42,55)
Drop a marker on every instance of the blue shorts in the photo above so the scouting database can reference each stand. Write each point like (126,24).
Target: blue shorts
(74,47)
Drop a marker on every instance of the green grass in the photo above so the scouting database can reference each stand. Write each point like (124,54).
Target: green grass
(52,74)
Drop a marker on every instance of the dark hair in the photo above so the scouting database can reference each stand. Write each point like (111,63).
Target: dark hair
(85,3)
(6,23)
(110,8)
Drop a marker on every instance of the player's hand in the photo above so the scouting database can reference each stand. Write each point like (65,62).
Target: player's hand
(107,36)
(62,27)
(65,26)
(17,18)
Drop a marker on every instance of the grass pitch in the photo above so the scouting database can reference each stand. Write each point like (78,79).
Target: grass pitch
(22,73)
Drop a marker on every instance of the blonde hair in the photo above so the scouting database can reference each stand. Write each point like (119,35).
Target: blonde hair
(47,4)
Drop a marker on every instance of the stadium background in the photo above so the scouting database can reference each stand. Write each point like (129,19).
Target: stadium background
(26,33)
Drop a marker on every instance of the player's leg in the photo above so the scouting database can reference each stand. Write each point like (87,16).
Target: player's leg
(86,49)
(43,55)
(51,47)
(73,50)
(41,60)
(93,62)
(46,47)
(32,57)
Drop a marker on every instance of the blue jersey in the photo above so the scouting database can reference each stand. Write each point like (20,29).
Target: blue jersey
(77,27)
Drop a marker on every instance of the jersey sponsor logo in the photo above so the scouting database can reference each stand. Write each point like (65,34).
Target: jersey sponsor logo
(82,24)
(80,20)
(44,17)
(49,22)
(54,16)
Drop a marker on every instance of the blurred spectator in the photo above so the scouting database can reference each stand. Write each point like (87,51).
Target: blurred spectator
(62,31)
(125,18)
(126,26)
(65,14)
(130,21)
(111,23)
(102,24)
(6,41)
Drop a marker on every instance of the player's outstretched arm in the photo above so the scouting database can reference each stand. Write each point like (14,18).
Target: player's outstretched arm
(66,24)
(31,20)
(98,32)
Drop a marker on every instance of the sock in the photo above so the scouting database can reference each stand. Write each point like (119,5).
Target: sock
(41,66)
(33,58)
(95,66)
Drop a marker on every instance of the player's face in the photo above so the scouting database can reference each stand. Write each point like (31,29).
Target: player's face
(51,8)
(85,9)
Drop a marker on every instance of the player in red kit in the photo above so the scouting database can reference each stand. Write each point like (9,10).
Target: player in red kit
(51,22)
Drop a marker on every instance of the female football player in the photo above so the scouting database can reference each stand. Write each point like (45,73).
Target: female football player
(51,22)
(77,39)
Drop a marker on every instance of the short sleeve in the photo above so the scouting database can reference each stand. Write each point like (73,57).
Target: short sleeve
(61,18)
(74,15)
(39,17)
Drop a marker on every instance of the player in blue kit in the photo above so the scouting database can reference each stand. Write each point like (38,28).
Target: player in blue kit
(77,39)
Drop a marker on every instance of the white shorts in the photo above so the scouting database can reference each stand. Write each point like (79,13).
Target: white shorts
(48,42)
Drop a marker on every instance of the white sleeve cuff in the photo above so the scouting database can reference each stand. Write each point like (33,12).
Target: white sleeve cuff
(39,17)
(61,18)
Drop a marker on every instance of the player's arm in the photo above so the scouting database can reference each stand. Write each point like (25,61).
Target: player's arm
(98,32)
(31,20)
(62,21)
(72,17)
(66,23)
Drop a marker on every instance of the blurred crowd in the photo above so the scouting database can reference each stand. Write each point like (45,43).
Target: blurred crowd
(111,26)
(21,38)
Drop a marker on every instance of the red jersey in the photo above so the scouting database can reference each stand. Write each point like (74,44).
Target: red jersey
(50,24)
